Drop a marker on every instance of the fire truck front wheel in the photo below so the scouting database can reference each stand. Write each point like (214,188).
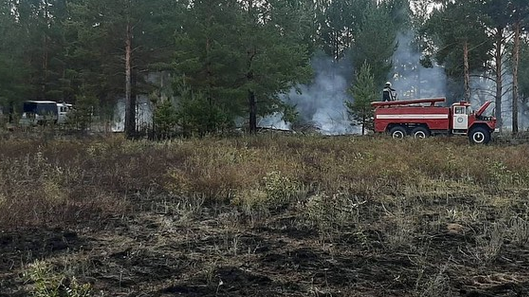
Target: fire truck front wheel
(420,132)
(479,135)
(398,132)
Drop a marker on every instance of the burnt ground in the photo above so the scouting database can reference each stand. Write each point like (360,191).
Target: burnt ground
(222,252)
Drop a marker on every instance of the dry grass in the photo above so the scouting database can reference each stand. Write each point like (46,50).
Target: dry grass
(67,180)
(203,207)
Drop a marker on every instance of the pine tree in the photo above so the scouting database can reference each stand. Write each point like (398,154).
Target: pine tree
(115,44)
(497,22)
(242,56)
(376,43)
(363,92)
(13,67)
(520,17)
(463,44)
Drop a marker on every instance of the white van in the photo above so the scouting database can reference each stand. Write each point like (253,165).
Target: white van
(42,112)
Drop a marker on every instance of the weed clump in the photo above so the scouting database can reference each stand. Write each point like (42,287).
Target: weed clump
(48,283)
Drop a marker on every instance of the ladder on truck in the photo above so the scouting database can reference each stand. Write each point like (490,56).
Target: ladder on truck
(431,101)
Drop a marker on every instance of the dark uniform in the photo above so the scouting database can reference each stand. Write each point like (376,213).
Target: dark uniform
(388,93)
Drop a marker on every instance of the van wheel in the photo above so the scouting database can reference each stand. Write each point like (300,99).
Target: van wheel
(398,132)
(479,135)
(420,132)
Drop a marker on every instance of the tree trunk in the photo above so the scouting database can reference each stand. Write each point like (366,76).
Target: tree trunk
(253,111)
(466,71)
(209,73)
(515,65)
(130,108)
(252,103)
(364,122)
(499,76)
(45,51)
(418,90)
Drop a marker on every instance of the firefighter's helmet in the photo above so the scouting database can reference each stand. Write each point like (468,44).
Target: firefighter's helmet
(388,84)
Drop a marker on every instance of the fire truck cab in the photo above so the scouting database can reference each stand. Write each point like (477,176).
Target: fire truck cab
(423,117)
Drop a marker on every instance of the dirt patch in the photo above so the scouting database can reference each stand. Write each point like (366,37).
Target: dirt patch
(165,257)
(30,244)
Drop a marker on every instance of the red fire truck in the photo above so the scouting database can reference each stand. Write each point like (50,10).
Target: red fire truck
(423,117)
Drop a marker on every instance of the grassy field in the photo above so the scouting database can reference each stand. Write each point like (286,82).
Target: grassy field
(270,215)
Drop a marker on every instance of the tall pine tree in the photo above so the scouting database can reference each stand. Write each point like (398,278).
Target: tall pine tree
(241,55)
(364,92)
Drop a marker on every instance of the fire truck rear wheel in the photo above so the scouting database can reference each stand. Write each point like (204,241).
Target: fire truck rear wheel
(479,135)
(398,132)
(420,132)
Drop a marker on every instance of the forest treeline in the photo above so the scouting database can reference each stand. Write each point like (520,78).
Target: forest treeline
(225,60)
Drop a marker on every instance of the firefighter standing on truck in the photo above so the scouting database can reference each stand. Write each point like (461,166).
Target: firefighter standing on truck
(388,93)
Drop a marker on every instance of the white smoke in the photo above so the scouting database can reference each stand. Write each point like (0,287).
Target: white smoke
(410,79)
(274,121)
(144,114)
(321,104)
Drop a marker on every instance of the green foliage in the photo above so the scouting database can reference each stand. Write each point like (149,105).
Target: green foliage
(524,78)
(400,13)
(519,11)
(96,31)
(13,69)
(290,114)
(340,22)
(48,283)
(376,43)
(466,25)
(501,175)
(363,92)
(229,51)
(165,119)
(233,55)
(197,115)
(81,116)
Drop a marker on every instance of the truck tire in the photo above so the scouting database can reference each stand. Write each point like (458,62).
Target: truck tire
(420,132)
(398,132)
(479,135)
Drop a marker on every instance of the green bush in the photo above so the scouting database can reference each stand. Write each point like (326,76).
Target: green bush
(81,116)
(198,115)
(165,120)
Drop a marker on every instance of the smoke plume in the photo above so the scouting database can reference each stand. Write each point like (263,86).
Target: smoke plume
(321,104)
(144,114)
(410,78)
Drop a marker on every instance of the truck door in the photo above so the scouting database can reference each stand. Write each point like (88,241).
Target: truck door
(460,118)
